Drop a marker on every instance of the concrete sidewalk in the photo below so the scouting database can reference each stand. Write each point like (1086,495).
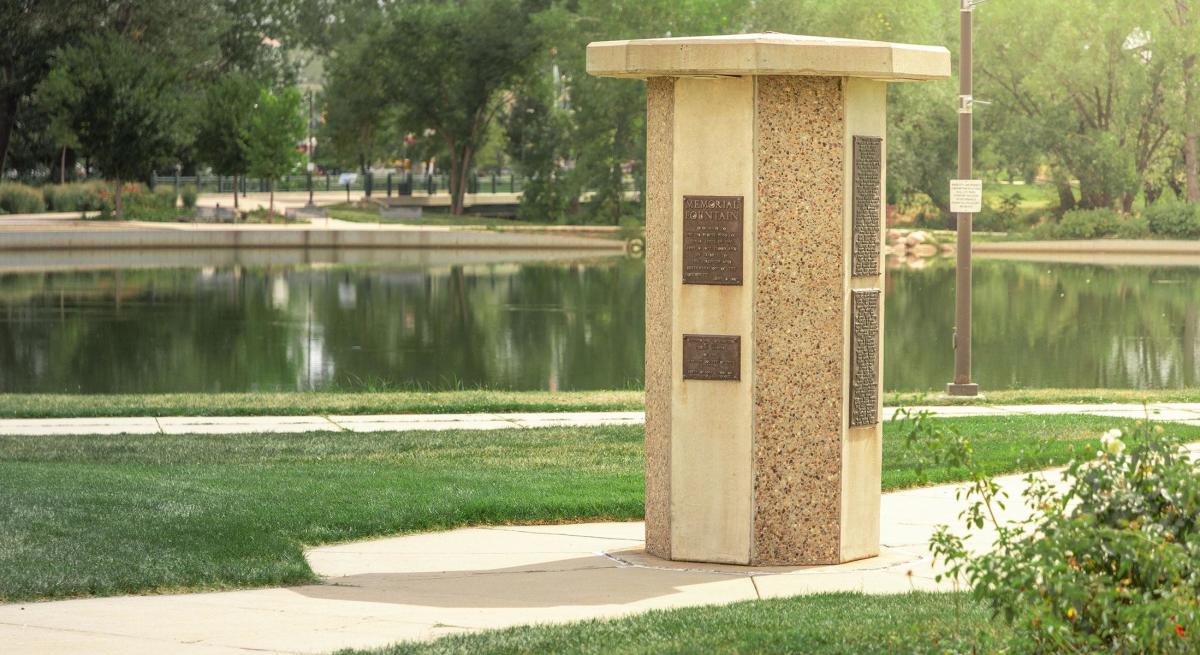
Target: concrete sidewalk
(1182,412)
(428,585)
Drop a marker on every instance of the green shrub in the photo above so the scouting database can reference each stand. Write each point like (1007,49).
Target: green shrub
(74,197)
(20,199)
(17,198)
(1088,224)
(188,194)
(1045,231)
(165,197)
(103,194)
(57,196)
(138,199)
(999,217)
(140,204)
(1134,227)
(1111,564)
(1174,220)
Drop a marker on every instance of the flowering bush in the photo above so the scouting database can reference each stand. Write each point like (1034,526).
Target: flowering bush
(140,204)
(74,197)
(1110,564)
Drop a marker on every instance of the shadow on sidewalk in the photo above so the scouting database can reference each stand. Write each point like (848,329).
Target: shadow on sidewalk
(582,581)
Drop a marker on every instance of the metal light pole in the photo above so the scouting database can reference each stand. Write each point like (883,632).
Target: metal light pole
(962,385)
(309,150)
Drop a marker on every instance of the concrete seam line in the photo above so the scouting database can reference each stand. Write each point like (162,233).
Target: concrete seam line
(556,534)
(335,424)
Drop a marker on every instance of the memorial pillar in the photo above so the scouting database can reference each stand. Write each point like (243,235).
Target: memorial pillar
(764,290)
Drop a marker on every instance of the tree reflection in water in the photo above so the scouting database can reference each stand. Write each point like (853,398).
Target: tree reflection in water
(562,325)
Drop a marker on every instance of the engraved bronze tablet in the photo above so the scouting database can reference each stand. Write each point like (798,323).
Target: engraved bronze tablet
(712,357)
(868,192)
(712,240)
(864,357)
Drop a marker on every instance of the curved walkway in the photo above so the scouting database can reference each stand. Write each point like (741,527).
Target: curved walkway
(425,586)
(1183,412)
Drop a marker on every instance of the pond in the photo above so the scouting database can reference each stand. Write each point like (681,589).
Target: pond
(245,320)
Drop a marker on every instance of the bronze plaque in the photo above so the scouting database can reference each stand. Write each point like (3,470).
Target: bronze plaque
(864,357)
(868,192)
(712,240)
(712,357)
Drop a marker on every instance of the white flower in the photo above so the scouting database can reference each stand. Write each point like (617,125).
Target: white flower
(1111,442)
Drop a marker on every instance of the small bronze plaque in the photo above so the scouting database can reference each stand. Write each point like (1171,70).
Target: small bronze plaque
(712,357)
(864,357)
(712,240)
(866,204)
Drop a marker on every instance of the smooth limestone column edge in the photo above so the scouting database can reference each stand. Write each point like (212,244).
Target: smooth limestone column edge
(711,476)
(862,447)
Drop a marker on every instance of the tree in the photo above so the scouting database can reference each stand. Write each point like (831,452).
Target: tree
(201,40)
(123,106)
(447,67)
(1183,37)
(537,129)
(271,134)
(356,103)
(603,120)
(1089,81)
(221,141)
(33,30)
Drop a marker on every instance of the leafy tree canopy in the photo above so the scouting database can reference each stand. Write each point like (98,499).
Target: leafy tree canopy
(447,65)
(122,104)
(271,134)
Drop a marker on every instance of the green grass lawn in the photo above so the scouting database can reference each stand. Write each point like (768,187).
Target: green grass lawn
(1039,195)
(104,515)
(1045,397)
(295,403)
(321,403)
(820,624)
(353,213)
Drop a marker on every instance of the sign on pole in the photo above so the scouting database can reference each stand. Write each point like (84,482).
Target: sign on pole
(966,196)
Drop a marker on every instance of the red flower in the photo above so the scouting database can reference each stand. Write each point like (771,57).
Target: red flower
(1179,630)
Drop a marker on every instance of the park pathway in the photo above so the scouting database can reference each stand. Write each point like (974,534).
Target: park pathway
(1182,412)
(424,586)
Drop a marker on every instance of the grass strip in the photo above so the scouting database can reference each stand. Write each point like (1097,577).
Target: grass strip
(819,624)
(355,213)
(1046,397)
(106,515)
(314,403)
(299,403)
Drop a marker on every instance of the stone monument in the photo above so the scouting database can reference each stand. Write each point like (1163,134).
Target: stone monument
(765,174)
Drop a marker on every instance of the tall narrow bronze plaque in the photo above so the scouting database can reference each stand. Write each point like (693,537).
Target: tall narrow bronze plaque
(864,357)
(866,204)
(712,357)
(712,240)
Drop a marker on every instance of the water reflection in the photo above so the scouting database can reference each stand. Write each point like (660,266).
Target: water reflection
(563,325)
(1047,325)
(537,321)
